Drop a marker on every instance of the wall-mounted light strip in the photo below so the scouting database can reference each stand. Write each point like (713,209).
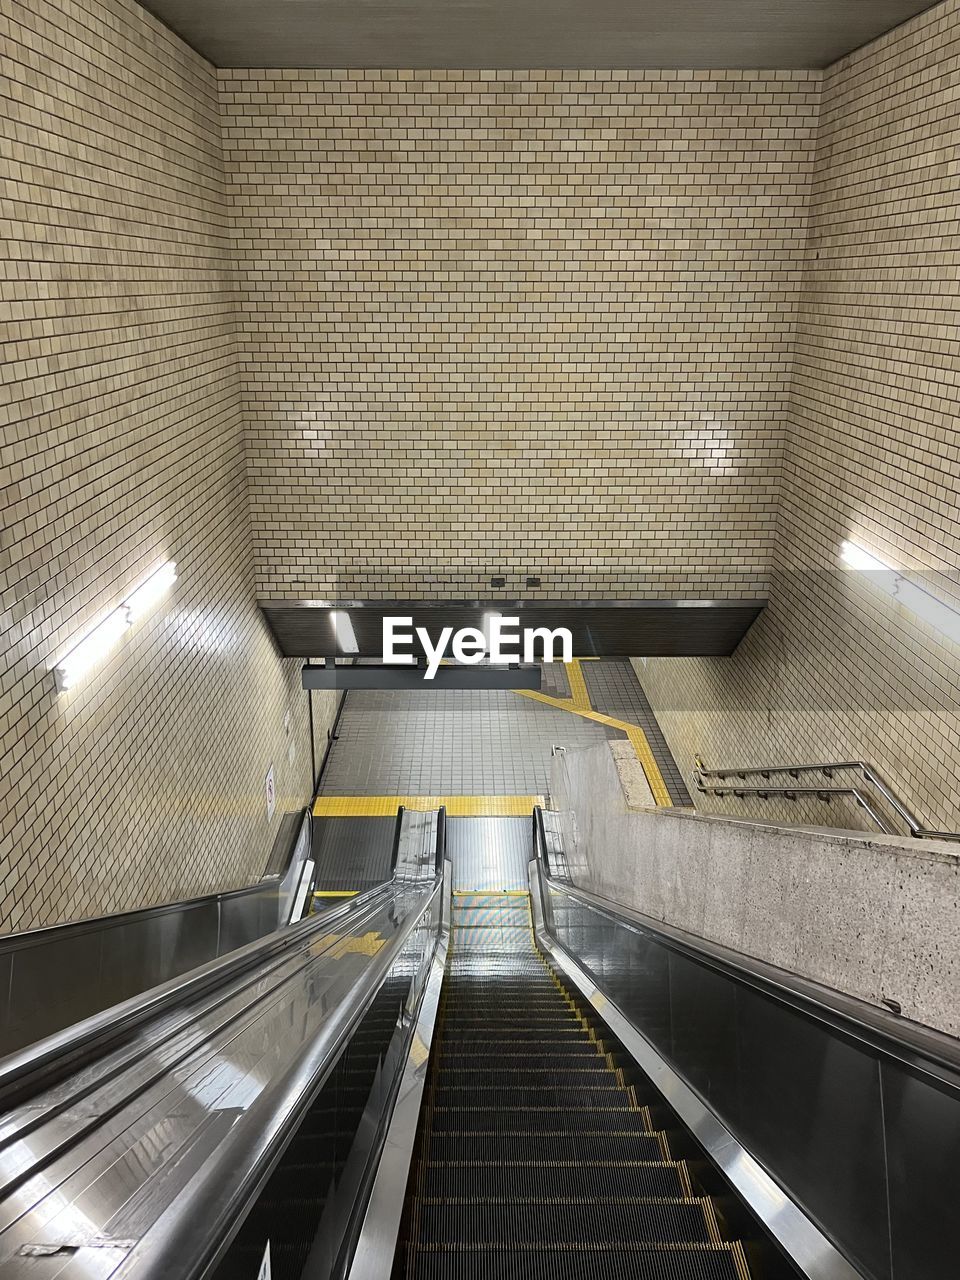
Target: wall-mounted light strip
(940,615)
(97,645)
(149,594)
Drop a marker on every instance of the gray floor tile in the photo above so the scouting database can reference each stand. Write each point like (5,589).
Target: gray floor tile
(466,742)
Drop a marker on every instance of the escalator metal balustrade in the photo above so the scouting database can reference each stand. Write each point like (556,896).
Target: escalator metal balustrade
(426,1084)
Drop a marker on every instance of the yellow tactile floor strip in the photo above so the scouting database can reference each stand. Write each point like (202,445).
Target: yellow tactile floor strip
(456,806)
(638,739)
(578,686)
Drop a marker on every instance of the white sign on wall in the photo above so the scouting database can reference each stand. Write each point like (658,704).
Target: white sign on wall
(271,793)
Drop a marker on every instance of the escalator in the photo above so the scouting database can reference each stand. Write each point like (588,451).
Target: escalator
(422,1084)
(538,1159)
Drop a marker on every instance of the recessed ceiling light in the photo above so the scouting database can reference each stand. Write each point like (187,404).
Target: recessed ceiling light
(343,630)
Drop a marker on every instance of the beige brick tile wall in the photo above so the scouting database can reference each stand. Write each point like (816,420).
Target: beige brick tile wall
(516,322)
(121,444)
(872,454)
(595,326)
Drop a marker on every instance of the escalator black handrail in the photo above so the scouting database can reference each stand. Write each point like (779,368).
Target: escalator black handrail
(189,1240)
(919,1048)
(441,853)
(540,837)
(397,832)
(38,1066)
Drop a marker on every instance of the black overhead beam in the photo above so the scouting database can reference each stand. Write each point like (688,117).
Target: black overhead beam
(379,676)
(600,629)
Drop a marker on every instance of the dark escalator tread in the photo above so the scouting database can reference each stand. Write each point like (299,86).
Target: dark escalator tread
(527,1076)
(471,989)
(502,1024)
(569,1033)
(540,1262)
(513,1007)
(571,1051)
(560,1097)
(571,1178)
(547,1147)
(500,1117)
(598,1222)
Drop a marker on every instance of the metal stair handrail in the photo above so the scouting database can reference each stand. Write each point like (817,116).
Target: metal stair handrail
(703,778)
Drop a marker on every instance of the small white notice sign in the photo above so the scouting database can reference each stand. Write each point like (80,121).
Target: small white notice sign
(271,792)
(264,1272)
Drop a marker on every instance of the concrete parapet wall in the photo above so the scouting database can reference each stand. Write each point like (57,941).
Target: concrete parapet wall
(872,916)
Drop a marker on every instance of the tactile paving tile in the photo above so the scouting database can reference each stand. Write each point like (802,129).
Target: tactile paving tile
(451,742)
(615,690)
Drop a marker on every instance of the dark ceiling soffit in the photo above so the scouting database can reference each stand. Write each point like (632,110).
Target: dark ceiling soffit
(379,676)
(601,629)
(229,39)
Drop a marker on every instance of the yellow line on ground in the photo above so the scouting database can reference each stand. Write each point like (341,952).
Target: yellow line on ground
(578,686)
(456,806)
(335,893)
(638,739)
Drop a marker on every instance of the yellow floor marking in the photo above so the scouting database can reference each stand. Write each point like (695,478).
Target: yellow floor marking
(578,686)
(335,893)
(638,739)
(641,746)
(456,806)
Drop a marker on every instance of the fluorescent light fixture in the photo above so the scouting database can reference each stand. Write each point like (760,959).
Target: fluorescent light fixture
(93,649)
(940,615)
(149,594)
(97,645)
(343,630)
(858,558)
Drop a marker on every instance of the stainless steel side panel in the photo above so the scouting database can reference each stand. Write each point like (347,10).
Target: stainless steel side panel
(52,978)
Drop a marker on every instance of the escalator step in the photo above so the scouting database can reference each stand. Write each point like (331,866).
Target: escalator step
(472,1008)
(546,1146)
(504,1028)
(454,1056)
(541,1262)
(515,985)
(535,1179)
(512,984)
(522,1073)
(498,1118)
(570,1033)
(558,1097)
(576,1222)
(533,1074)
(508,1016)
